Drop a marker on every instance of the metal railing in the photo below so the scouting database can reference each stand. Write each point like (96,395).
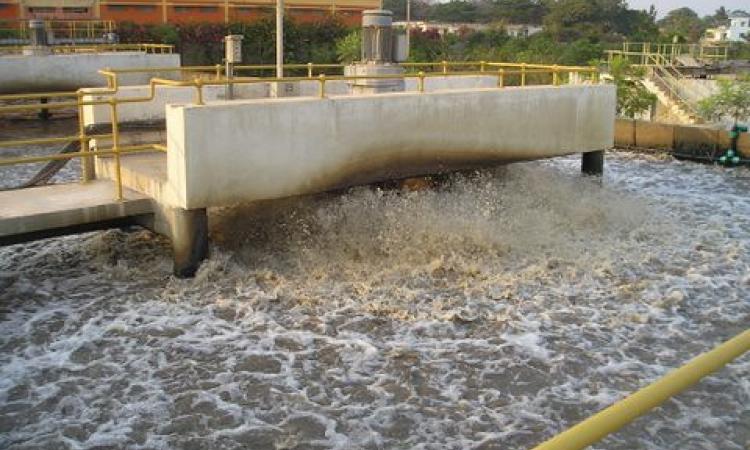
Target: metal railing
(521,71)
(637,52)
(506,74)
(61,29)
(612,419)
(96,48)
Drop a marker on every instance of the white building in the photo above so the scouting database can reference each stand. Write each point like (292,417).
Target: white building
(739,26)
(443,28)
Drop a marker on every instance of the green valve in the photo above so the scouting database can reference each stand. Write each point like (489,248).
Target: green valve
(733,134)
(723,159)
(742,129)
(736,160)
(730,153)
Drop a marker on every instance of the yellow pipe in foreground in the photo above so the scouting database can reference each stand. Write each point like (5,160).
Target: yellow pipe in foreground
(609,420)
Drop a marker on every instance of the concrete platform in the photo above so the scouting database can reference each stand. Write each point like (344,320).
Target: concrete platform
(53,210)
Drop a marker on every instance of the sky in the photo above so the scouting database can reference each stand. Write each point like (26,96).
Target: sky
(702,7)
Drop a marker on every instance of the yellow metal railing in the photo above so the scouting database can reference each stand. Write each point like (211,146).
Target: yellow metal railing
(62,29)
(611,419)
(638,51)
(520,75)
(95,48)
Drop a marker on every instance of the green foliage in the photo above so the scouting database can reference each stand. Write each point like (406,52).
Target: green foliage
(731,102)
(684,24)
(348,48)
(569,20)
(632,97)
(454,11)
(202,43)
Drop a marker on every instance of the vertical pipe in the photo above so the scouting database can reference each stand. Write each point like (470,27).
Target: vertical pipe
(116,147)
(322,80)
(279,38)
(87,167)
(309,70)
(420,81)
(501,78)
(523,74)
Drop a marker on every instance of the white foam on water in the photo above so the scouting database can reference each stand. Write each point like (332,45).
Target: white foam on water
(490,312)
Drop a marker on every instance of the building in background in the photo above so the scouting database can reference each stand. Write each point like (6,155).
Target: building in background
(176,11)
(443,28)
(736,30)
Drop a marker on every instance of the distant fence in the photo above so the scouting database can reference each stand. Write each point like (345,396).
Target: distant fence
(681,138)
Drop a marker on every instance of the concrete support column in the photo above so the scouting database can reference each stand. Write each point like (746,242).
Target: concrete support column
(592,163)
(189,233)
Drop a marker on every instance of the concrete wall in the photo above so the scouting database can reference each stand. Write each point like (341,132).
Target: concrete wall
(154,110)
(685,138)
(241,151)
(67,72)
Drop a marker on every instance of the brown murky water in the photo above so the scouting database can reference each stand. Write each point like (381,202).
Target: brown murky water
(489,313)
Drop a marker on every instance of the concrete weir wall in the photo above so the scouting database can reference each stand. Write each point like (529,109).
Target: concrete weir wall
(665,136)
(154,109)
(63,72)
(241,151)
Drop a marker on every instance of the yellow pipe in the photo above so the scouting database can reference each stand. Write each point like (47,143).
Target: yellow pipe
(115,149)
(58,157)
(611,419)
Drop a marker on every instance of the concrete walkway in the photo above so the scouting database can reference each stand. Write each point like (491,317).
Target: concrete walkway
(58,209)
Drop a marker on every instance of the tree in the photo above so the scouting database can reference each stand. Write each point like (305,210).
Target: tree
(419,9)
(513,11)
(632,96)
(683,23)
(454,11)
(349,47)
(569,20)
(731,102)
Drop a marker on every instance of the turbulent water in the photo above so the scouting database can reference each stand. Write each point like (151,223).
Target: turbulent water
(489,312)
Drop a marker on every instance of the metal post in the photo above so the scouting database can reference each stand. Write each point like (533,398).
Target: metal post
(408,25)
(279,38)
(229,87)
(322,80)
(87,163)
(116,148)
(44,114)
(420,81)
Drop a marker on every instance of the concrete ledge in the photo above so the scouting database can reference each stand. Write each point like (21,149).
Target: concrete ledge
(66,72)
(58,206)
(242,151)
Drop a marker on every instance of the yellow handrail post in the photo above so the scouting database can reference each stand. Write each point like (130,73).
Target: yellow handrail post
(199,90)
(445,66)
(482,65)
(87,169)
(217,68)
(309,70)
(420,81)
(116,147)
(523,74)
(501,77)
(322,81)
(611,419)
(555,76)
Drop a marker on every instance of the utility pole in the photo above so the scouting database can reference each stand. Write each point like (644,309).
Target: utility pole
(408,25)
(279,38)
